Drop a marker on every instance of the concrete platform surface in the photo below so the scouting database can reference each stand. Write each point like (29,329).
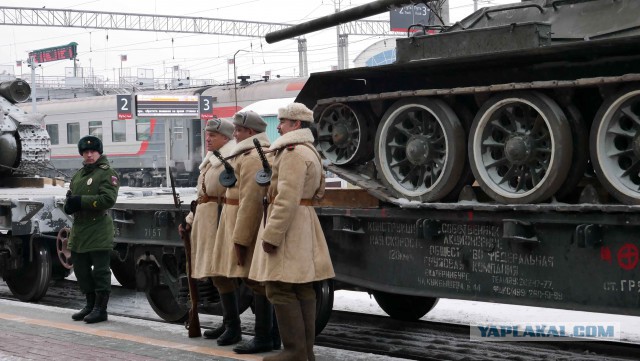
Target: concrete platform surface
(37,332)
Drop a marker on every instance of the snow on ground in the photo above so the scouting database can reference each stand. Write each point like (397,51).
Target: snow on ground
(474,312)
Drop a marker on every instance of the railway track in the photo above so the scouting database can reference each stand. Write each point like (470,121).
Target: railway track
(379,335)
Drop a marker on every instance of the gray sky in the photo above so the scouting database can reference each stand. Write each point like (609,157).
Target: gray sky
(204,56)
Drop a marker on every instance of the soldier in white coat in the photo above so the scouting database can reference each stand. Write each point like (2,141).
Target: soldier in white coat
(203,225)
(291,252)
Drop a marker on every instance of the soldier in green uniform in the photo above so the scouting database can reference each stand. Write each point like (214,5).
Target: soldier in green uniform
(93,190)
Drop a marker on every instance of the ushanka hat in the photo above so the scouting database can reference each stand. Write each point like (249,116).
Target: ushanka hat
(222,126)
(90,142)
(296,111)
(251,120)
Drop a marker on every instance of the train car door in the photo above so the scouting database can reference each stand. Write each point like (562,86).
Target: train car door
(196,142)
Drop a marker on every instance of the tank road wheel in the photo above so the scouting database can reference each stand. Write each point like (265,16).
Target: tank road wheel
(31,282)
(405,308)
(324,303)
(520,147)
(420,149)
(345,133)
(123,266)
(580,160)
(165,305)
(615,145)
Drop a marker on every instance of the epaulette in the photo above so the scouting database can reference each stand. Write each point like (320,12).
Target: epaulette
(104,166)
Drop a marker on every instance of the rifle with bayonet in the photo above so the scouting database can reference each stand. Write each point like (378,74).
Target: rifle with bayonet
(193,323)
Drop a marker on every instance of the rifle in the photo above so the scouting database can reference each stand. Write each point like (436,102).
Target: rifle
(263,177)
(193,323)
(228,177)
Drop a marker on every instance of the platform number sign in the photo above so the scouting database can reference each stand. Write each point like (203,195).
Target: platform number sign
(206,107)
(125,104)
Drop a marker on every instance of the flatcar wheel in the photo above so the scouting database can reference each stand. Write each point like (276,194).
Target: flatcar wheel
(615,145)
(405,308)
(123,267)
(31,282)
(324,303)
(165,305)
(520,147)
(64,254)
(344,133)
(420,149)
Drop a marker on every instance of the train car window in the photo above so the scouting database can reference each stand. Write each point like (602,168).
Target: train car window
(52,129)
(95,129)
(143,129)
(118,131)
(73,133)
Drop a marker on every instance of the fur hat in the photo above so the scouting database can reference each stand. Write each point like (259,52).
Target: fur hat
(296,111)
(222,126)
(90,142)
(250,119)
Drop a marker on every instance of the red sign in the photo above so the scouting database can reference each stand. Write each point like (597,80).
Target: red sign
(628,256)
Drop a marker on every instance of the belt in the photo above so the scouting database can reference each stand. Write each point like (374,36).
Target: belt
(206,199)
(232,202)
(303,202)
(306,202)
(88,215)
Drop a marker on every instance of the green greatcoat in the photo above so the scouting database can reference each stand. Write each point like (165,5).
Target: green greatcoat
(98,185)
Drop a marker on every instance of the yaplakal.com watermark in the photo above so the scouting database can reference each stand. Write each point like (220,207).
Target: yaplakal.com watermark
(546,331)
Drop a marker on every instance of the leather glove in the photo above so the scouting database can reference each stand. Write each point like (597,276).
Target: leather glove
(73,204)
(241,253)
(268,247)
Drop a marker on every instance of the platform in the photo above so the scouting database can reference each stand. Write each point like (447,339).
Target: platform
(37,332)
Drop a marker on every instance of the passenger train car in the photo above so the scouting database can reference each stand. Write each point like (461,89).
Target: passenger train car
(136,147)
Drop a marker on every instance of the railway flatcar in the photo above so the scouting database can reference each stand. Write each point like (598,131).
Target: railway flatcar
(136,147)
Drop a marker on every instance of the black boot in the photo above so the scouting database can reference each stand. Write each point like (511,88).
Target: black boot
(214,333)
(91,301)
(230,319)
(262,341)
(99,312)
(275,333)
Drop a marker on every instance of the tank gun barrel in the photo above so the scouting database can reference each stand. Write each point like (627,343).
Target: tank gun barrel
(15,91)
(356,13)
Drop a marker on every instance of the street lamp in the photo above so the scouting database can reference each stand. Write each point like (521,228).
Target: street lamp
(235,83)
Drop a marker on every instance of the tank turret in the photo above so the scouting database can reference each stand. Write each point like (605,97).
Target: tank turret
(24,142)
(522,103)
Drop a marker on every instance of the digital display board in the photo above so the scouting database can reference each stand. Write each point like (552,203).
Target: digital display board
(68,51)
(164,105)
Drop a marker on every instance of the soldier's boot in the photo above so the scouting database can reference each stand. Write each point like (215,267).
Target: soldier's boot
(214,333)
(230,319)
(309,316)
(99,312)
(275,333)
(262,341)
(91,301)
(292,331)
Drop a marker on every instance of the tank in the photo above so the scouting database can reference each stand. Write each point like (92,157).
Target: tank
(526,103)
(25,146)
